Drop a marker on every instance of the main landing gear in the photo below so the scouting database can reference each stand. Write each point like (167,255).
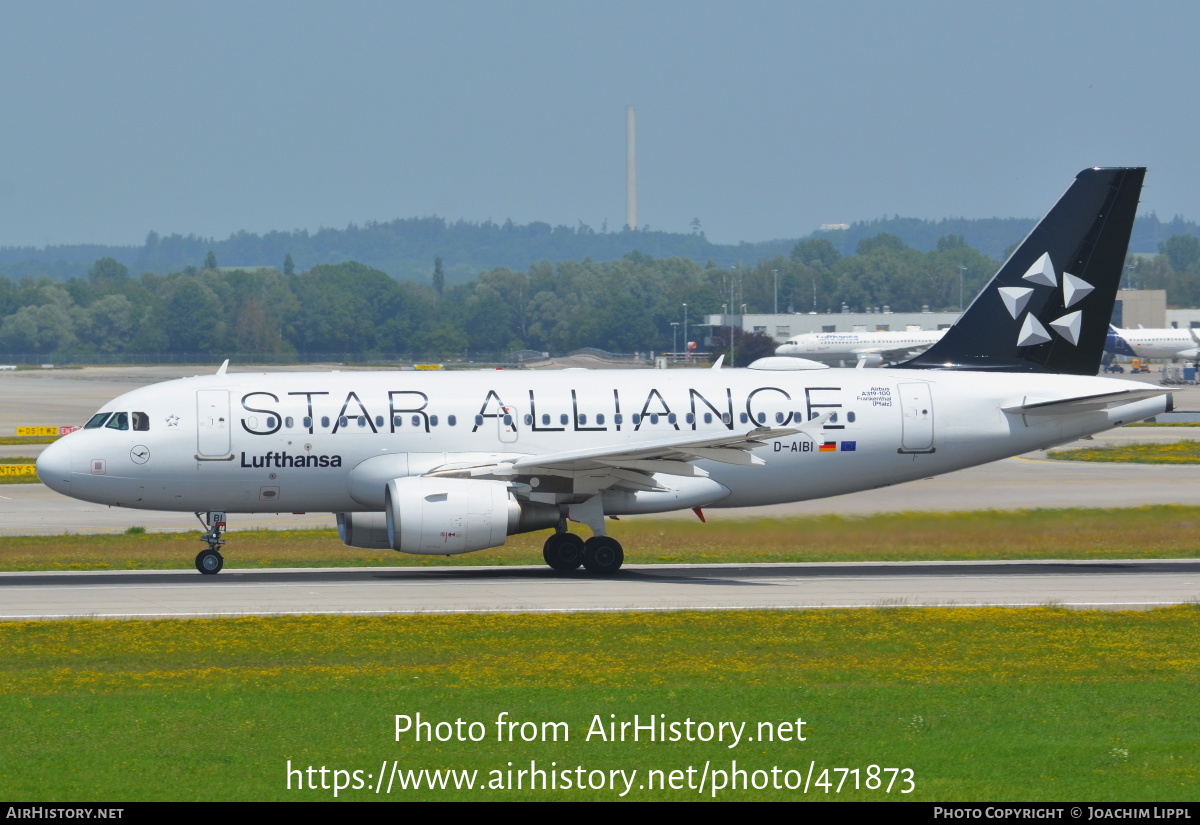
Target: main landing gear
(600,555)
(210,561)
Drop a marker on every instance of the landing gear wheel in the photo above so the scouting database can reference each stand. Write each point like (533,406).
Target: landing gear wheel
(602,555)
(563,551)
(209,562)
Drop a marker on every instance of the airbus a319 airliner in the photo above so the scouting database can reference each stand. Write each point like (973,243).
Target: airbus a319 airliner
(452,462)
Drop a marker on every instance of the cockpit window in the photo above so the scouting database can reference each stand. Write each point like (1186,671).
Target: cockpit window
(141,421)
(119,421)
(96,420)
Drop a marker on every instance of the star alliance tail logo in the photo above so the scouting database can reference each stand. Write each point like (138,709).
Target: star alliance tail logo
(1016,298)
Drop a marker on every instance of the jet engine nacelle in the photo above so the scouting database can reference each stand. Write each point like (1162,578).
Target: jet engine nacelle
(869,359)
(365,530)
(445,516)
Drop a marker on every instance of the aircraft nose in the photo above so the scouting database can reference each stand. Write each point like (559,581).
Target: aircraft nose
(54,468)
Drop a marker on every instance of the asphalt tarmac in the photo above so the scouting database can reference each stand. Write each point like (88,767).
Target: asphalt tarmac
(1120,585)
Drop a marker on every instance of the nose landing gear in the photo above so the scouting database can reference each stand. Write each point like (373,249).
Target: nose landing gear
(210,561)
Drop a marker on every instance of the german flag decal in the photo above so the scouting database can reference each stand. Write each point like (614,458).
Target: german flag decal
(828,447)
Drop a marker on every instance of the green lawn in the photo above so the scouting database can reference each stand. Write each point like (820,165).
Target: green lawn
(1178,452)
(980,705)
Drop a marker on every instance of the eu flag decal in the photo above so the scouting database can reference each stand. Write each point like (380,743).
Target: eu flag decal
(849,446)
(828,447)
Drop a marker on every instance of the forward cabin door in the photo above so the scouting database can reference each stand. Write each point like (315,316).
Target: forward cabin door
(916,406)
(212,424)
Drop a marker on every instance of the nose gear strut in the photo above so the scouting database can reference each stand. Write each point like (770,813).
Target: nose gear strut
(210,561)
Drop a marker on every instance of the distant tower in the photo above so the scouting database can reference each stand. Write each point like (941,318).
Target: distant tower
(630,171)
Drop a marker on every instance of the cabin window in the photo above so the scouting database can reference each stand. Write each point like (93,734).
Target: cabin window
(833,418)
(507,420)
(479,421)
(343,421)
(397,421)
(619,419)
(288,422)
(691,419)
(671,418)
(362,421)
(379,421)
(545,419)
(778,418)
(307,422)
(96,420)
(324,421)
(762,418)
(708,418)
(433,420)
(653,418)
(119,421)
(452,420)
(725,419)
(600,419)
(416,421)
(637,418)
(582,419)
(813,415)
(563,419)
(743,418)
(850,417)
(528,420)
(270,422)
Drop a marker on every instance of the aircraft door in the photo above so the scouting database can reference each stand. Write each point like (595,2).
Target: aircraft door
(507,421)
(212,423)
(916,407)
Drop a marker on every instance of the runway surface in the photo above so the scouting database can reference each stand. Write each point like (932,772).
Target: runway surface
(1122,585)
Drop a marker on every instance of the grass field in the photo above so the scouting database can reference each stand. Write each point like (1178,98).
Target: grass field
(1178,452)
(1031,704)
(1143,532)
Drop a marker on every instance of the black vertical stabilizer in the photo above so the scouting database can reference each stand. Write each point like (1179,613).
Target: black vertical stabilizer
(1048,308)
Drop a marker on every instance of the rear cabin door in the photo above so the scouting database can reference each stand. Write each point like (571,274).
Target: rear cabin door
(916,405)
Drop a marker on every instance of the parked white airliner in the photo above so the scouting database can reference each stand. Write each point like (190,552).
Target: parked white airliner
(860,349)
(445,463)
(1172,343)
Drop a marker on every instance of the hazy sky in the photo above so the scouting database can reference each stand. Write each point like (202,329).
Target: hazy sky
(762,119)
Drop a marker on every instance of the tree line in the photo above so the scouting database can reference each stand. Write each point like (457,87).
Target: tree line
(624,305)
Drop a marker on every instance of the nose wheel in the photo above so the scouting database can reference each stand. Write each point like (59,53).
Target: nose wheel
(210,561)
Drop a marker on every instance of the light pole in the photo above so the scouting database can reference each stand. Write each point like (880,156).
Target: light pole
(776,273)
(685,335)
(961,270)
(675,341)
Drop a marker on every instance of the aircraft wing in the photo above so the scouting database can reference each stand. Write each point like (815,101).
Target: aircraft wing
(632,465)
(1082,403)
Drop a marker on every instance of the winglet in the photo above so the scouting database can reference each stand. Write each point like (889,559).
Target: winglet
(720,360)
(221,369)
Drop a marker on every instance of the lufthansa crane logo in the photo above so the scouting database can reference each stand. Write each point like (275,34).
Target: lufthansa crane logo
(1016,298)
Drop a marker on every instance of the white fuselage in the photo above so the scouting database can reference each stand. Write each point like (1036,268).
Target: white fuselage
(850,347)
(1161,343)
(291,442)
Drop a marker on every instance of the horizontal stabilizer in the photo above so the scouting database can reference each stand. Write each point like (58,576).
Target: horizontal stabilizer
(1082,403)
